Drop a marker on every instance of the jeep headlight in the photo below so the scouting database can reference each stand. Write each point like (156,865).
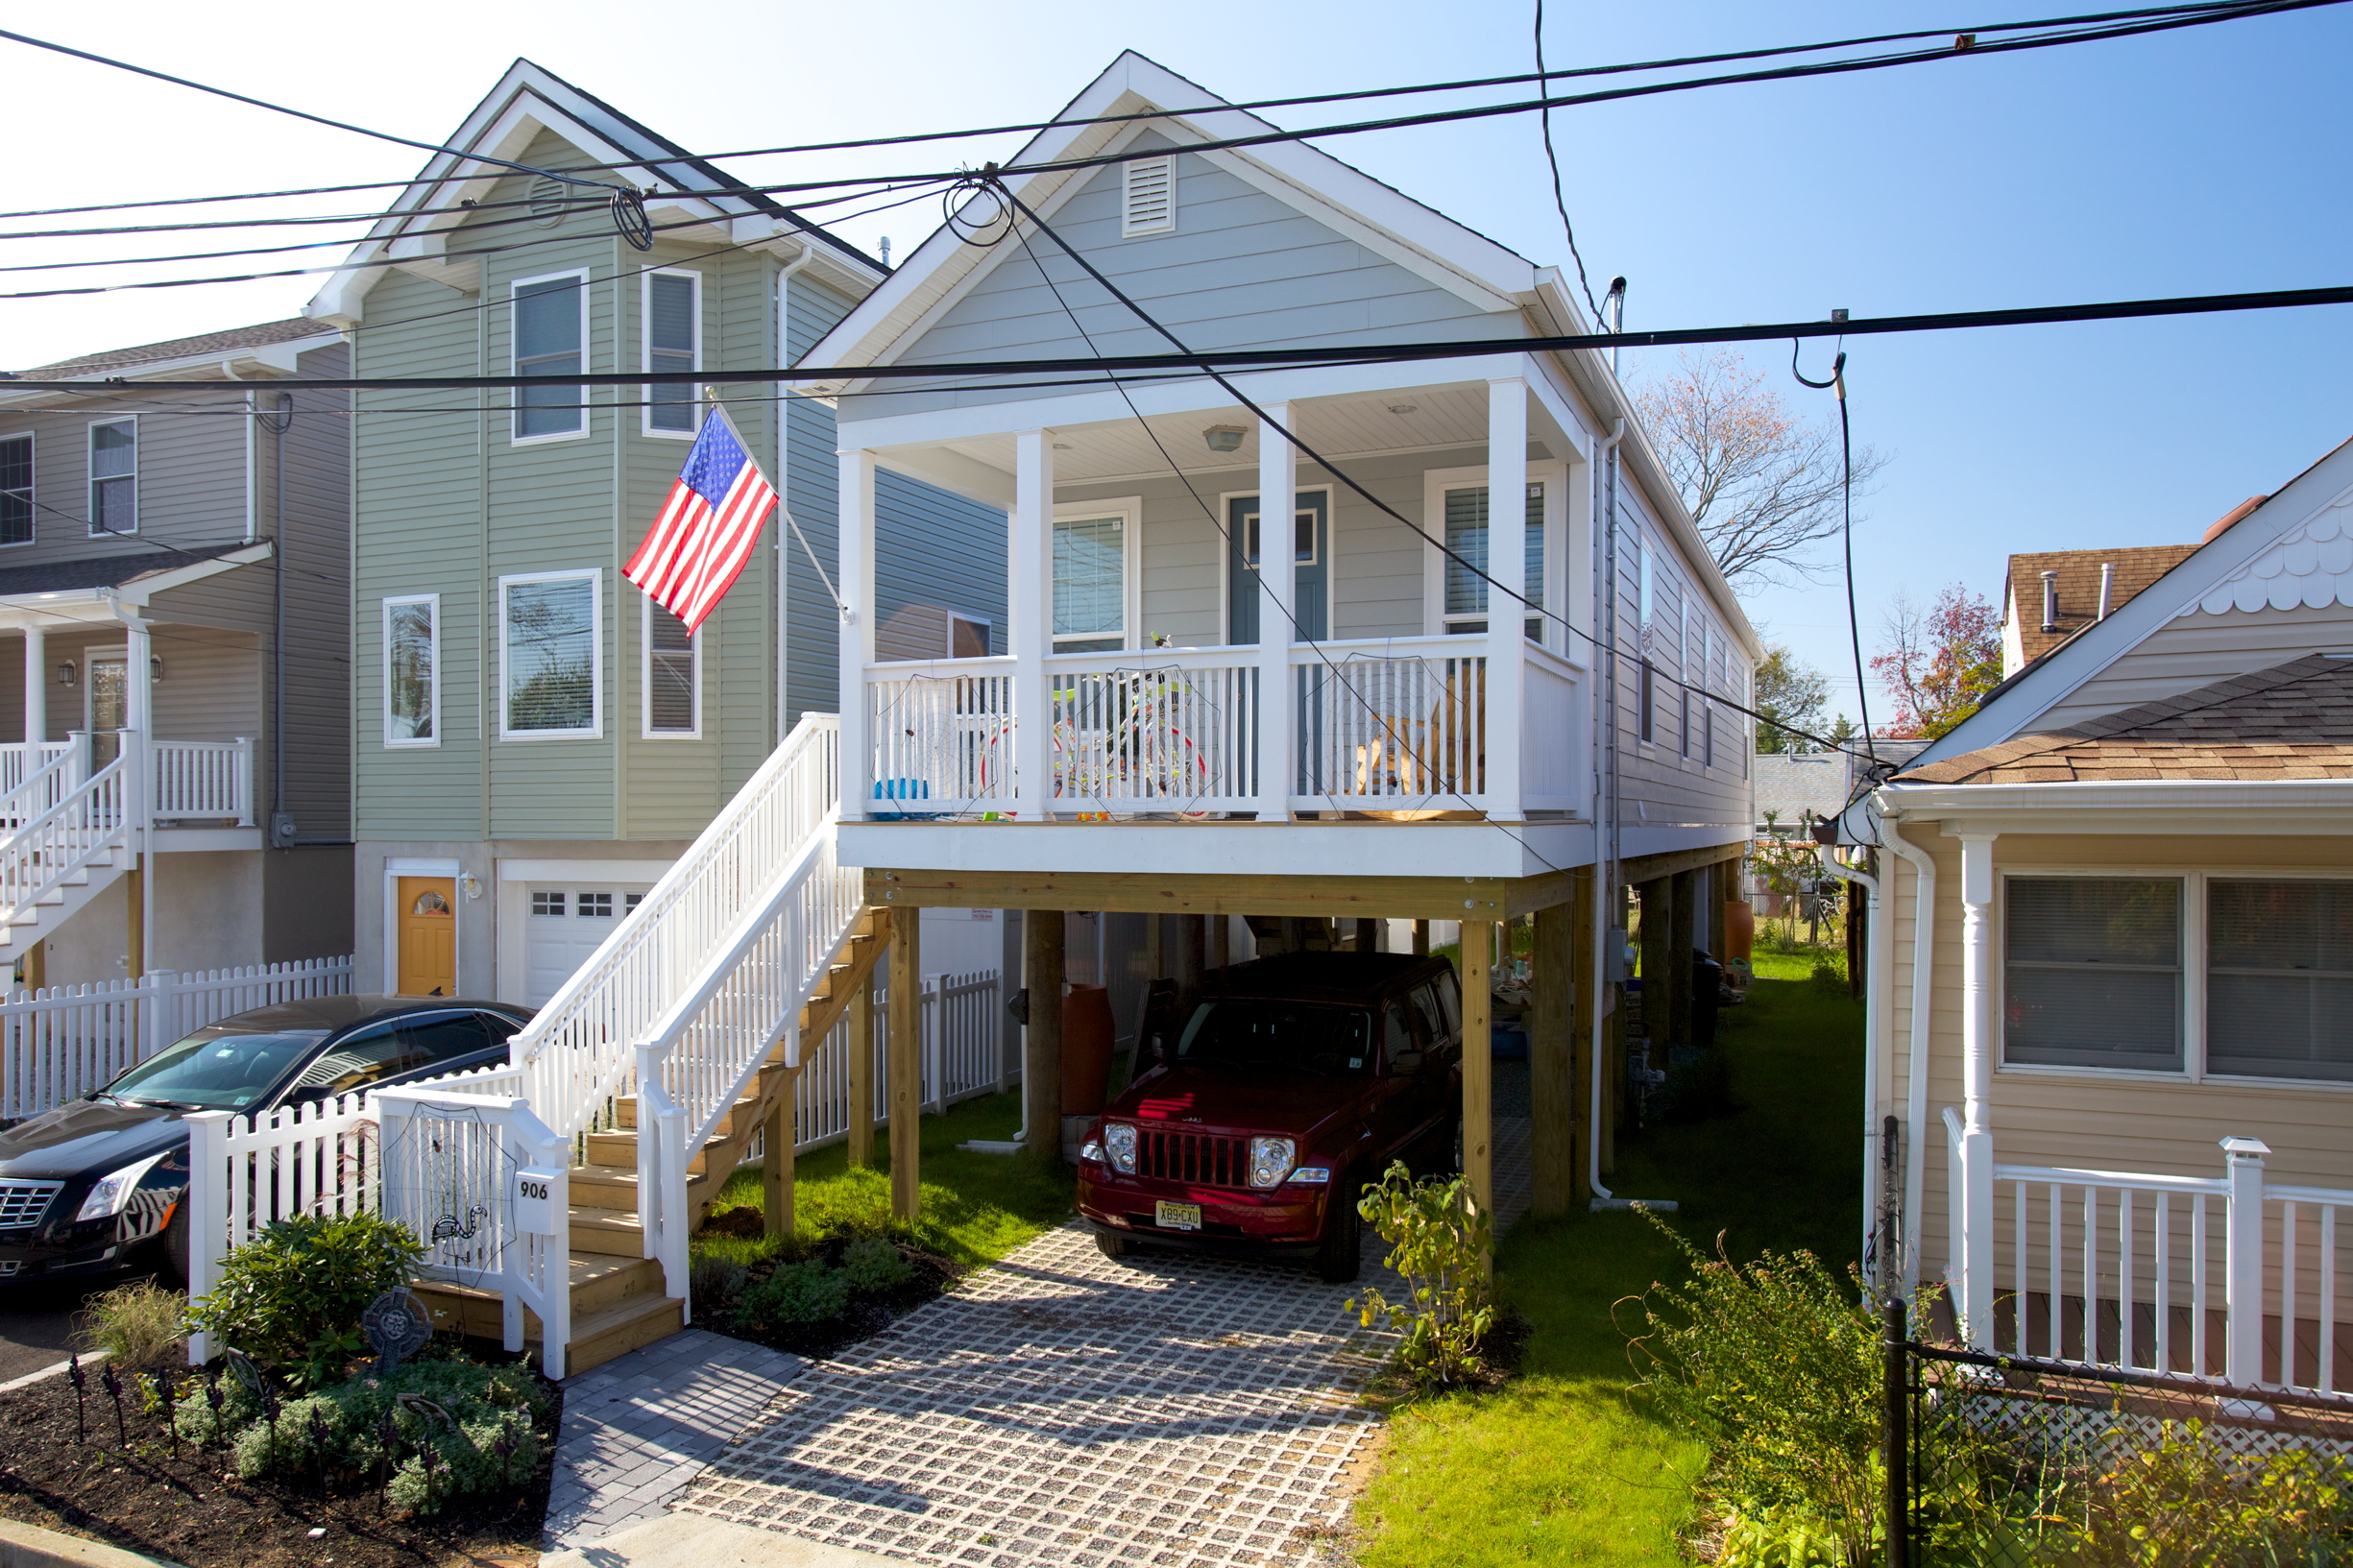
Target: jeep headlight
(112,1192)
(1118,1141)
(1271,1160)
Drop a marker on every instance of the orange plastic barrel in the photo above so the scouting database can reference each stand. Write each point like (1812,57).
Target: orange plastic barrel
(1739,930)
(1087,1049)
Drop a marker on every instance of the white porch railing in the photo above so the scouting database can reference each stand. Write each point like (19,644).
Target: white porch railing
(62,1042)
(2229,1277)
(942,743)
(88,827)
(205,780)
(1385,732)
(33,778)
(580,1051)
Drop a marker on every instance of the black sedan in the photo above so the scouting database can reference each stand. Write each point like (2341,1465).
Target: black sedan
(95,1185)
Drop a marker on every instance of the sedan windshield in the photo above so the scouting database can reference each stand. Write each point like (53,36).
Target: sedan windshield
(216,1069)
(1281,1036)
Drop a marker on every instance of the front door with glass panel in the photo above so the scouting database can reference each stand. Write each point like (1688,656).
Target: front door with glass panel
(107,708)
(425,937)
(1311,555)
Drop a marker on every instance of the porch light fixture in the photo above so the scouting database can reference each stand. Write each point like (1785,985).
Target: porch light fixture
(155,667)
(66,674)
(1224,438)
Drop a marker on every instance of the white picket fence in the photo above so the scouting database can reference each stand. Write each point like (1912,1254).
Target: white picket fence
(964,1057)
(59,1043)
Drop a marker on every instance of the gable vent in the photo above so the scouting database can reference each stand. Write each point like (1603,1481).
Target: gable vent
(547,201)
(1150,206)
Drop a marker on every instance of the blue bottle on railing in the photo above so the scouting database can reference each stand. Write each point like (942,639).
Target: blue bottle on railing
(904,790)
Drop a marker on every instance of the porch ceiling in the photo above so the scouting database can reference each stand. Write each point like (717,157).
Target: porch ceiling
(1432,419)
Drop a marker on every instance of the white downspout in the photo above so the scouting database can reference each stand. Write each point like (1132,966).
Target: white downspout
(1877,1012)
(1605,812)
(1916,1071)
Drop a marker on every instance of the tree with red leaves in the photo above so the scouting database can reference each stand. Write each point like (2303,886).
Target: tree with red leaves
(1940,663)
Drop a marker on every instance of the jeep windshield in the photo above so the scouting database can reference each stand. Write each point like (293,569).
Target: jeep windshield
(1271,1036)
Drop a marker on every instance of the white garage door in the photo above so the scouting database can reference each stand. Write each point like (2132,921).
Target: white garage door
(564,924)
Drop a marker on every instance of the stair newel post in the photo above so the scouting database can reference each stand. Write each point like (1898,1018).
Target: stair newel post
(207,1197)
(649,1130)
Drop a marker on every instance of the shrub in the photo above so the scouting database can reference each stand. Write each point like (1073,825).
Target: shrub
(2190,1500)
(293,1296)
(1438,1241)
(139,1326)
(874,1265)
(1777,1367)
(714,1278)
(796,1292)
(462,1412)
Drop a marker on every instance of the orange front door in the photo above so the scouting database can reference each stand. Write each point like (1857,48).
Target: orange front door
(426,910)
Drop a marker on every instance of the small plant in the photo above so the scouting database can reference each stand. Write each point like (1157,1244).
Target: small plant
(1438,1240)
(293,1296)
(796,1292)
(2187,1499)
(715,1279)
(139,1326)
(874,1265)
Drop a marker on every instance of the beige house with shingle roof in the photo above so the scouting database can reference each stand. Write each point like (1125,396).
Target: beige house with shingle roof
(2110,1037)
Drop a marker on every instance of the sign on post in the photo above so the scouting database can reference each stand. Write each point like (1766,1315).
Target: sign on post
(534,1205)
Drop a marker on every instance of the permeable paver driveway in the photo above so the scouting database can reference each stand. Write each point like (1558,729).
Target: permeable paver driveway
(1063,1408)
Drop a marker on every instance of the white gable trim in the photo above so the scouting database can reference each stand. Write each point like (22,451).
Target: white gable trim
(2312,564)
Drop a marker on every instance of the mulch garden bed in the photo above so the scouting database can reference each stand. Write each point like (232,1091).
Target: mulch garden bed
(867,1313)
(125,1487)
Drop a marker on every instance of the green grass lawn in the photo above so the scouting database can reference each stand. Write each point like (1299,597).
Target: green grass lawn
(1563,1464)
(976,1207)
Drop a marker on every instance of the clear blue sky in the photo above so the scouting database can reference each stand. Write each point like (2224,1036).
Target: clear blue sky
(2211,159)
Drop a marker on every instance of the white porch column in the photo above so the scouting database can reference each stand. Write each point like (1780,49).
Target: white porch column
(1029,606)
(1977,1206)
(37,691)
(1507,563)
(1278,500)
(855,551)
(139,694)
(2243,1265)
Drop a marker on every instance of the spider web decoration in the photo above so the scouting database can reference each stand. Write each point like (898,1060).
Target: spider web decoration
(946,739)
(450,1176)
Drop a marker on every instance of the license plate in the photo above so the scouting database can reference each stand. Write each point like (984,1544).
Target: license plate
(1177,1215)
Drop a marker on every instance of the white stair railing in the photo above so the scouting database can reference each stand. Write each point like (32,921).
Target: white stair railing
(33,778)
(579,1051)
(65,842)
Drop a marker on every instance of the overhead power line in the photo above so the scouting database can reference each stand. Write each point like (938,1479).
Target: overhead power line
(1204,359)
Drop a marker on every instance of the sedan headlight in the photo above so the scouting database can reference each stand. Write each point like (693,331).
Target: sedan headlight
(107,1198)
(1118,1141)
(1271,1160)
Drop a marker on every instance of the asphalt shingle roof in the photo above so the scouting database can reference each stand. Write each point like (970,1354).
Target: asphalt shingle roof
(105,570)
(2079,586)
(2290,721)
(256,336)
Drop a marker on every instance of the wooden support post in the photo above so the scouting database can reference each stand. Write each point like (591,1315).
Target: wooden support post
(905,1055)
(1219,950)
(1366,940)
(37,965)
(1612,1088)
(1651,942)
(1722,879)
(1584,996)
(1422,939)
(1551,1100)
(1192,944)
(1041,1057)
(134,891)
(860,1047)
(1155,947)
(1478,1065)
(1679,948)
(776,1168)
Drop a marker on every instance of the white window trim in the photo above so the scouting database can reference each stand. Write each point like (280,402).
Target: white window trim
(1129,509)
(1554,477)
(32,490)
(514,296)
(89,446)
(2194,1069)
(434,683)
(645,677)
(1129,227)
(645,350)
(593,576)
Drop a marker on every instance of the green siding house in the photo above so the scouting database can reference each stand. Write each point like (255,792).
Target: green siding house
(534,741)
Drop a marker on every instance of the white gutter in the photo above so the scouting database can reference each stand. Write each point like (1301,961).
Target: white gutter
(1916,1073)
(1876,1011)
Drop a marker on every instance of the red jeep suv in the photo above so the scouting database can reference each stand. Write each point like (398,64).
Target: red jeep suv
(1253,1123)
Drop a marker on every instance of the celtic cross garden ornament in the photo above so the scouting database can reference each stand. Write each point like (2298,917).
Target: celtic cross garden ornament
(397,1326)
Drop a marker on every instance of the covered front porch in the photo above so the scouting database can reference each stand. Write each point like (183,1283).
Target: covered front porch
(1163,663)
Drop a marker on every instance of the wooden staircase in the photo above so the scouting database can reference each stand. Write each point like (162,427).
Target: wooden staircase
(617,1300)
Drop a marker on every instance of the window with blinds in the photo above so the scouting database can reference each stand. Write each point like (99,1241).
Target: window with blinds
(2279,978)
(672,343)
(1467,534)
(114,476)
(1090,584)
(549,328)
(2093,972)
(16,490)
(671,706)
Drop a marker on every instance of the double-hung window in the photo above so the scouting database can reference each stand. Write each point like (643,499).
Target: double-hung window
(552,675)
(114,476)
(1091,580)
(673,340)
(1467,546)
(550,329)
(673,676)
(412,650)
(2093,973)
(16,490)
(2279,977)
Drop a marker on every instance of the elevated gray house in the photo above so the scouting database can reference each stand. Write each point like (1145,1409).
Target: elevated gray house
(174,565)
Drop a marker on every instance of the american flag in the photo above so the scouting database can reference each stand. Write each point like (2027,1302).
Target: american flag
(698,547)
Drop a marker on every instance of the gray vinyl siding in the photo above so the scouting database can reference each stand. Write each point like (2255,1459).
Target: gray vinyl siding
(938,551)
(1242,270)
(192,471)
(811,493)
(2196,649)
